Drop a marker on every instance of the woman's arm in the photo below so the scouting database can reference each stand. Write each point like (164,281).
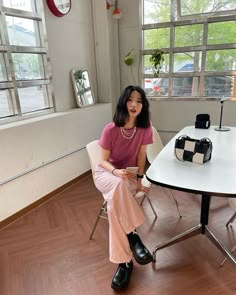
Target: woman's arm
(105,161)
(122,173)
(142,159)
(141,165)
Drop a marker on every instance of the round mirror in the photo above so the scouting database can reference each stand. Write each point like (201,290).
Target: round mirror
(59,7)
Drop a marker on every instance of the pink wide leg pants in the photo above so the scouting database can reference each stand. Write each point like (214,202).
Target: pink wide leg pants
(124,213)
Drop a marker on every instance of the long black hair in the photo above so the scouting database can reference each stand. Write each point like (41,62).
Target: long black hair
(121,113)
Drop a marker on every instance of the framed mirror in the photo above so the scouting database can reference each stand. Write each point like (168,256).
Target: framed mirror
(59,7)
(82,88)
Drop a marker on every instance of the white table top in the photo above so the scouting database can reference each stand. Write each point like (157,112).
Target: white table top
(216,177)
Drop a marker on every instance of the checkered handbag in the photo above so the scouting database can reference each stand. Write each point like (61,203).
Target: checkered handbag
(193,150)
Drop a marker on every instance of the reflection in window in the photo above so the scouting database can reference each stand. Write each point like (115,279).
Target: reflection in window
(156,11)
(157,38)
(187,61)
(185,86)
(23,32)
(3,74)
(27,5)
(189,7)
(188,35)
(148,65)
(6,107)
(218,86)
(33,98)
(27,66)
(221,60)
(156,86)
(222,32)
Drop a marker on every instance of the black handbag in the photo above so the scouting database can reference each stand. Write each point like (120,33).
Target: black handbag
(193,150)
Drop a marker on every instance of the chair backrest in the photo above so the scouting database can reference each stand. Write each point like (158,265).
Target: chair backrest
(154,149)
(94,153)
(232,203)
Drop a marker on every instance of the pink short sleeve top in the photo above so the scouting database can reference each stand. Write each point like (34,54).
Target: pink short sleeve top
(123,151)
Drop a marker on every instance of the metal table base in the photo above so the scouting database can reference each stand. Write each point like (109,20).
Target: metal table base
(202,228)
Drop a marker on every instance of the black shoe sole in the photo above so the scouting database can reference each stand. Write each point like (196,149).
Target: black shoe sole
(143,262)
(119,288)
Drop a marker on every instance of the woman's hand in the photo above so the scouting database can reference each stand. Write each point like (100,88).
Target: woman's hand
(123,173)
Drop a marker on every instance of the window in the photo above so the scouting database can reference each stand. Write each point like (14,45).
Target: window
(25,86)
(199,44)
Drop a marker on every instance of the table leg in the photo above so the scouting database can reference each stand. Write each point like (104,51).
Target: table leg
(219,245)
(202,228)
(181,237)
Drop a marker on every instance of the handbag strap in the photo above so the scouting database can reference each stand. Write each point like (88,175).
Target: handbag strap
(183,136)
(205,139)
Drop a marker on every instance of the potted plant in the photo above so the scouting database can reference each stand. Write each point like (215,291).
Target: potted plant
(157,59)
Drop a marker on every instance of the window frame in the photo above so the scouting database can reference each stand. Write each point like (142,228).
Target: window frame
(204,19)
(12,84)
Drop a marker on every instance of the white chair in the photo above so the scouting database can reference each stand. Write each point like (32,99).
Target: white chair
(94,153)
(232,203)
(152,151)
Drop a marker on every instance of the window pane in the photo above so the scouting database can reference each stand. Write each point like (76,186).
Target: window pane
(28,66)
(6,108)
(27,5)
(186,86)
(157,38)
(3,75)
(156,11)
(221,60)
(187,62)
(156,86)
(23,32)
(188,35)
(218,86)
(148,65)
(223,32)
(33,98)
(189,7)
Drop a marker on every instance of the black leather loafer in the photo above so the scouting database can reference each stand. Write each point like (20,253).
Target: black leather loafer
(122,276)
(140,252)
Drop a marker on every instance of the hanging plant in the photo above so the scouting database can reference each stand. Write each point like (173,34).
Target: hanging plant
(129,60)
(157,59)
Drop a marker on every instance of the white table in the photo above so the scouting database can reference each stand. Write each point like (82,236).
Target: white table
(214,178)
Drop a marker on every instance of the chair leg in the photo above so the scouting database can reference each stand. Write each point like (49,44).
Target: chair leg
(223,262)
(141,203)
(102,210)
(150,203)
(232,218)
(176,203)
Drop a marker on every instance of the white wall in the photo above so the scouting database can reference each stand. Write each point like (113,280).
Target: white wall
(39,155)
(166,115)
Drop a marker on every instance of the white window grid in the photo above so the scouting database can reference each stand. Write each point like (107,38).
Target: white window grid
(204,19)
(11,84)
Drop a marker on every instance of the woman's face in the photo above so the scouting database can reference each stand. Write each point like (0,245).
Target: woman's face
(134,104)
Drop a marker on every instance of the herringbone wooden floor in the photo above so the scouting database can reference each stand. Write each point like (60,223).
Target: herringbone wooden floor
(48,251)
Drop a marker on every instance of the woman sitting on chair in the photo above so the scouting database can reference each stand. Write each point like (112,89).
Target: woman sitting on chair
(123,144)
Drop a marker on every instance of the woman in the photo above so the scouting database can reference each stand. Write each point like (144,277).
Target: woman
(123,144)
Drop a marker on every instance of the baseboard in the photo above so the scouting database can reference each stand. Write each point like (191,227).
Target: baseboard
(42,200)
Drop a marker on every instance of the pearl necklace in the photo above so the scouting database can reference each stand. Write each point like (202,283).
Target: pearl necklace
(128,134)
